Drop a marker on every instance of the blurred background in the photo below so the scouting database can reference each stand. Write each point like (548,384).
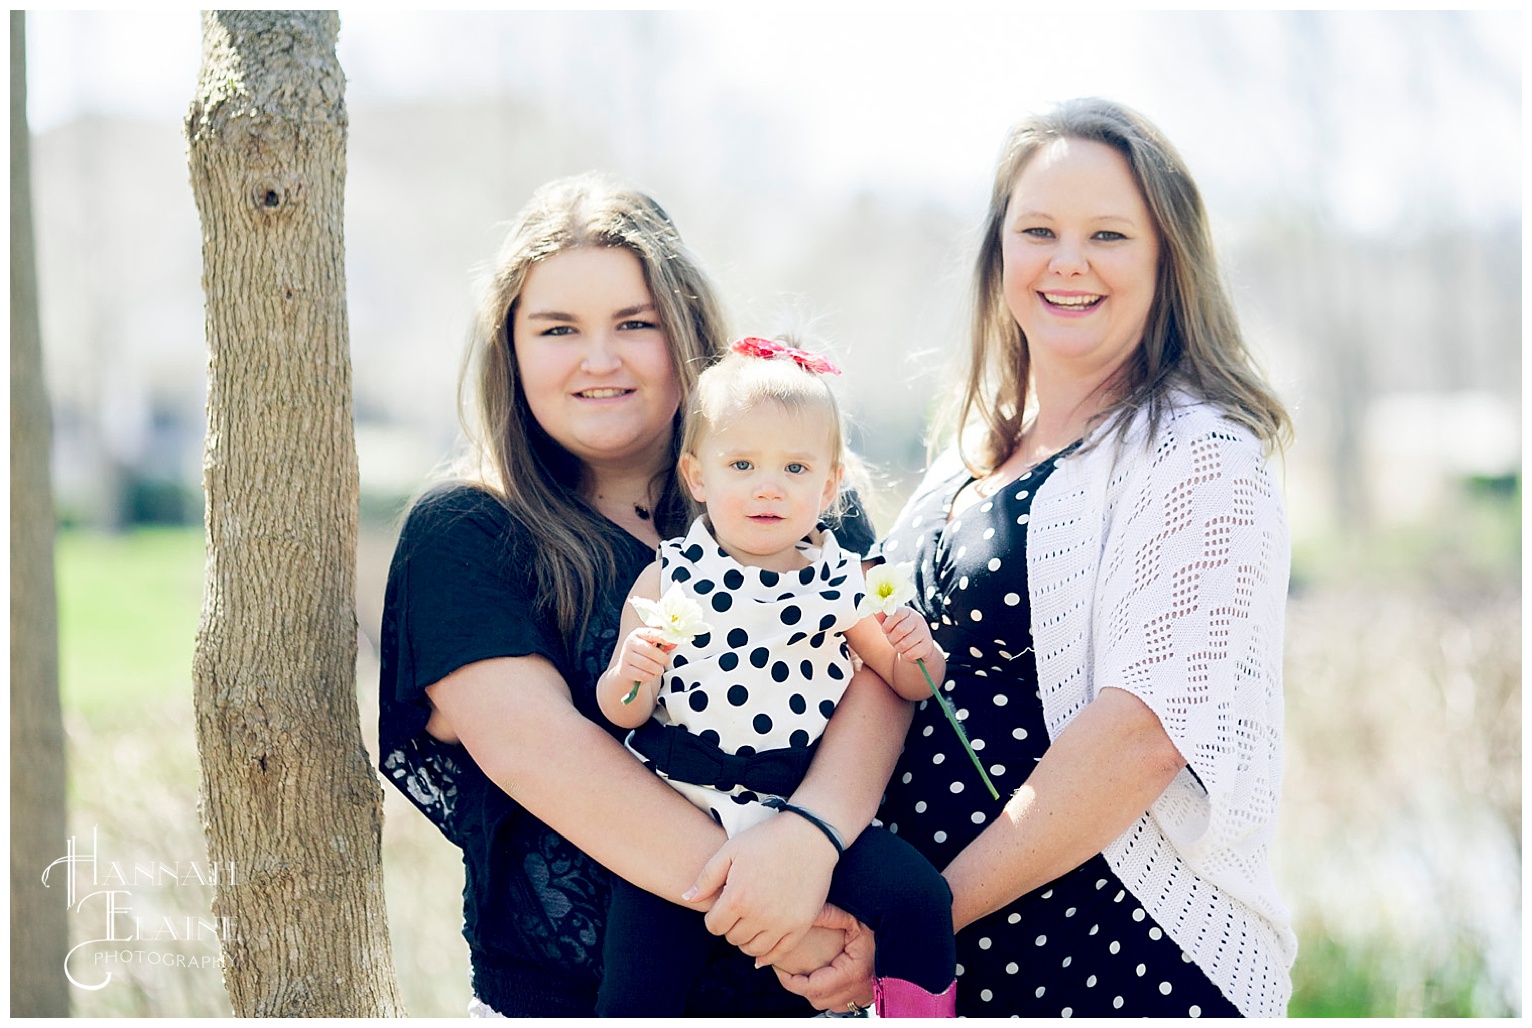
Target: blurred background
(1363,172)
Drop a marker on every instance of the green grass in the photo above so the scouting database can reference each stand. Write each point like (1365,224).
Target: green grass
(1382,979)
(1474,538)
(128,607)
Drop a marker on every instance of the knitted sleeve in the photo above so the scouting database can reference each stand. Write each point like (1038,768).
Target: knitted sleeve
(1188,618)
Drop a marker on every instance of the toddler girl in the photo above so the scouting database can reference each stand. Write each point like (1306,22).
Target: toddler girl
(732,716)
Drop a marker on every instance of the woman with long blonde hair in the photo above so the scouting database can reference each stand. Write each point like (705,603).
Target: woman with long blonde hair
(1104,554)
(503,605)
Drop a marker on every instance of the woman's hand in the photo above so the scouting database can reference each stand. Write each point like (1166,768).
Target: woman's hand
(847,978)
(770,884)
(774,878)
(818,948)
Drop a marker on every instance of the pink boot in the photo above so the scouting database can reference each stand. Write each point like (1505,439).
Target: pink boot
(895,997)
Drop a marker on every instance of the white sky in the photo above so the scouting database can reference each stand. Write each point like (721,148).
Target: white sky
(1412,114)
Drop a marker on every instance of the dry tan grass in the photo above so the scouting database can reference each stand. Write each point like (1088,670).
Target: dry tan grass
(133,781)
(1401,818)
(1399,847)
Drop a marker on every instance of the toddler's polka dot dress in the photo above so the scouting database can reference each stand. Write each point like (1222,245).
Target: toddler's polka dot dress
(769,672)
(1082,946)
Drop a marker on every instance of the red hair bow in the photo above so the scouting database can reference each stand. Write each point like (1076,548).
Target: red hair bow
(755,346)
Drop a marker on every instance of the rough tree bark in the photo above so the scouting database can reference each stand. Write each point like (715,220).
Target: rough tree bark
(288,792)
(39,917)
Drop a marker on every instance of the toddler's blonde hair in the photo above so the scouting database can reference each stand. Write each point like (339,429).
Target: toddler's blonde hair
(738,383)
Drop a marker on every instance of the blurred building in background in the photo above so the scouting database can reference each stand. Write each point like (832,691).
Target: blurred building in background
(1357,168)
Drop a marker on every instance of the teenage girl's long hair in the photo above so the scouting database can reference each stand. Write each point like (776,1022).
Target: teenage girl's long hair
(1192,339)
(574,551)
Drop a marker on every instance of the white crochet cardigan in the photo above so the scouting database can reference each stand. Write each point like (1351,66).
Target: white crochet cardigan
(1162,570)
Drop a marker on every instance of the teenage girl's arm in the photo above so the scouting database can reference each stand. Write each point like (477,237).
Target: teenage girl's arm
(891,646)
(870,714)
(516,718)
(518,721)
(856,755)
(844,784)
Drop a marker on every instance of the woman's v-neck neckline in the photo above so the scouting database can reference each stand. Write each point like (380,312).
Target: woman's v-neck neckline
(949,515)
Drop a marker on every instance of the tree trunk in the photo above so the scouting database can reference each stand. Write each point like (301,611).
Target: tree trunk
(39,917)
(288,792)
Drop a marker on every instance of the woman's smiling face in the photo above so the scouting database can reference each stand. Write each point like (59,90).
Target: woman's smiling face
(1080,258)
(593,361)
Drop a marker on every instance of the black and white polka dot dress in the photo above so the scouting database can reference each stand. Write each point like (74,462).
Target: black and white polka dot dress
(774,664)
(1081,946)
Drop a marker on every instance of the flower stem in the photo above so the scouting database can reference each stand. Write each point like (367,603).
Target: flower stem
(952,720)
(633,692)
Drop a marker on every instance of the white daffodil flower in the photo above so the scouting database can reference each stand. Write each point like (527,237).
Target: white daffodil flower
(677,616)
(889,587)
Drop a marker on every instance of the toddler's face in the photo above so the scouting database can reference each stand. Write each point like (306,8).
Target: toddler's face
(765,476)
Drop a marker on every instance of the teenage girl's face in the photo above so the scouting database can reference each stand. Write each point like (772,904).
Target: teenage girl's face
(593,361)
(766,476)
(1080,258)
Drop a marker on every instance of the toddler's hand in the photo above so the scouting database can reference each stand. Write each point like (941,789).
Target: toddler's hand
(909,634)
(643,657)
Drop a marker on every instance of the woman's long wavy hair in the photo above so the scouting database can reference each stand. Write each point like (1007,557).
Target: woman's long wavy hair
(574,552)
(1191,339)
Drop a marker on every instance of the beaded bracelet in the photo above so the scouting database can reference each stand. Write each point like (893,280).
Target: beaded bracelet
(812,818)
